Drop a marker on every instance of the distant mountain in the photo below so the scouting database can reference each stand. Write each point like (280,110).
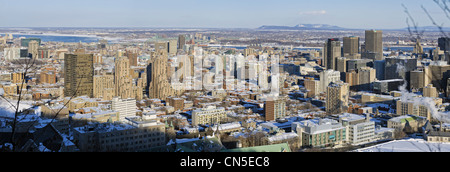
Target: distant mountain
(303,27)
(429,29)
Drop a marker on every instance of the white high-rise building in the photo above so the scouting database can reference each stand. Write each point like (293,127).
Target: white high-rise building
(326,77)
(125,107)
(11,53)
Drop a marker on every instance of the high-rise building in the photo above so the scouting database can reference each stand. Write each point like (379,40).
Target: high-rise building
(275,108)
(326,77)
(181,42)
(132,57)
(172,47)
(122,78)
(78,75)
(374,43)
(351,47)
(104,86)
(337,98)
(33,47)
(430,91)
(157,80)
(332,50)
(26,41)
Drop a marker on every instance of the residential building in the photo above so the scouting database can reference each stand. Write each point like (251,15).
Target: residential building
(78,75)
(209,115)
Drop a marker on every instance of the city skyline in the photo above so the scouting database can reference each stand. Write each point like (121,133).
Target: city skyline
(205,14)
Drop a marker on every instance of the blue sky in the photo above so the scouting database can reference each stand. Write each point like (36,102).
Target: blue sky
(362,14)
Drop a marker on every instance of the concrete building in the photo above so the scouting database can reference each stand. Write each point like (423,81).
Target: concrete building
(374,44)
(320,132)
(360,129)
(351,47)
(157,78)
(337,98)
(140,134)
(209,115)
(122,78)
(430,91)
(415,122)
(326,77)
(78,75)
(104,86)
(332,50)
(312,86)
(275,108)
(125,107)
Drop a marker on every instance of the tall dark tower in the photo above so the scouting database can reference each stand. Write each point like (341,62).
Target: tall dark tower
(332,50)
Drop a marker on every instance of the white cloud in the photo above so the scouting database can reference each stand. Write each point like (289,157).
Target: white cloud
(318,12)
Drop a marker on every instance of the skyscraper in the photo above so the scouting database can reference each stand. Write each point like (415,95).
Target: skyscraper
(332,50)
(33,49)
(351,47)
(172,48)
(157,80)
(78,75)
(181,41)
(122,78)
(374,44)
(337,97)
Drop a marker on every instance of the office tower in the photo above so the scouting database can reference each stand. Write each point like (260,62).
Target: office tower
(337,98)
(438,74)
(181,42)
(26,41)
(444,45)
(341,64)
(172,47)
(366,76)
(399,67)
(374,44)
(379,66)
(326,77)
(355,64)
(33,49)
(275,108)
(430,91)
(332,50)
(125,107)
(416,79)
(78,75)
(122,78)
(157,80)
(351,47)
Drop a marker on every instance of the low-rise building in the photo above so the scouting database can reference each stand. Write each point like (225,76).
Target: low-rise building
(139,134)
(320,132)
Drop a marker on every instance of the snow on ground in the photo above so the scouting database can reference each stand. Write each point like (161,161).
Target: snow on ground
(408,145)
(7,110)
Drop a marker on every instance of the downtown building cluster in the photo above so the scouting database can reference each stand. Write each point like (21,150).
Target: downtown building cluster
(104,96)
